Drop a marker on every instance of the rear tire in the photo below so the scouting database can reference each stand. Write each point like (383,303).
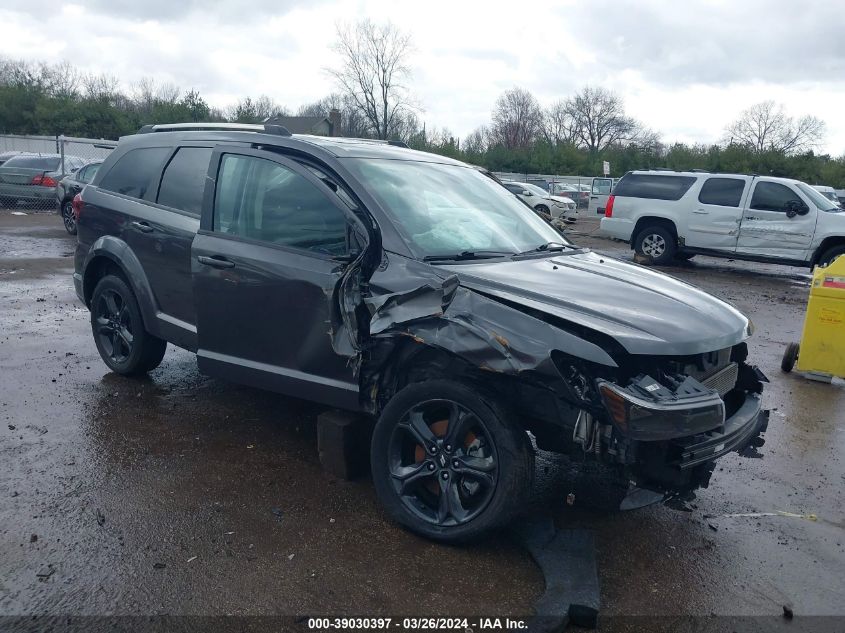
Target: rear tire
(789,357)
(830,254)
(484,464)
(67,217)
(118,329)
(657,243)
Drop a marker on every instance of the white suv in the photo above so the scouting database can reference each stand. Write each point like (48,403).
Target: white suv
(675,215)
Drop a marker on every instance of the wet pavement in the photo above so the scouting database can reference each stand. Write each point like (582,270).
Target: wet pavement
(181,494)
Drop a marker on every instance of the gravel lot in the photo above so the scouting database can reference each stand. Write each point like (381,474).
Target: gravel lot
(179,494)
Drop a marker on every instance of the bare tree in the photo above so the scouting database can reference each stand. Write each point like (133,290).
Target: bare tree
(478,141)
(62,79)
(103,87)
(373,73)
(517,119)
(597,119)
(765,126)
(558,125)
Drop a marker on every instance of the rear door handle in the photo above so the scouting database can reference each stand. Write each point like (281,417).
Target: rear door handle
(143,227)
(216,261)
(701,211)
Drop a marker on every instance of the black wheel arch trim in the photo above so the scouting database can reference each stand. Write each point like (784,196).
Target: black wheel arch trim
(119,253)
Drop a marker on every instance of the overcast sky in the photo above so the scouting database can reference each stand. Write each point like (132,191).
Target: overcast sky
(684,68)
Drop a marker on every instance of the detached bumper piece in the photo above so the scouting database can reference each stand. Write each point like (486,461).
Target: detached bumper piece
(742,429)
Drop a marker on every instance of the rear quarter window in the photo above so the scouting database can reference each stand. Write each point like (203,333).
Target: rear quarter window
(653,187)
(133,172)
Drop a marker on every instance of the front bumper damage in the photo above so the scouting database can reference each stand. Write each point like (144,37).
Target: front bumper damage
(563,380)
(743,429)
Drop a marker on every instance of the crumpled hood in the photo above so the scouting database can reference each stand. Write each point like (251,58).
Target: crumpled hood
(645,311)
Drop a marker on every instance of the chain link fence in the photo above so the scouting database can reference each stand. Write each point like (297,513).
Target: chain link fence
(33,168)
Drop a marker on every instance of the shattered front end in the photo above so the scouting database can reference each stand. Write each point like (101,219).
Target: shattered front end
(667,427)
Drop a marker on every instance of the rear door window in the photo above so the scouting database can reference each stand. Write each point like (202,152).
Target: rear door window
(723,192)
(602,186)
(654,187)
(133,172)
(773,196)
(183,181)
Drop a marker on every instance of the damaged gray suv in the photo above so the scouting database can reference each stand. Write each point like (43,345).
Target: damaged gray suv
(417,290)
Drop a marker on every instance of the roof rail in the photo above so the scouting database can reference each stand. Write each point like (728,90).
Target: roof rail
(266,128)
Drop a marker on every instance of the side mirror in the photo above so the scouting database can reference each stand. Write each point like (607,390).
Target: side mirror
(796,207)
(527,193)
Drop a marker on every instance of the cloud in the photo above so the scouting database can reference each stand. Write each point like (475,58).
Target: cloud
(720,43)
(684,68)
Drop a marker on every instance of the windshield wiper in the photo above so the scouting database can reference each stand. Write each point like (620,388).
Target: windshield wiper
(465,255)
(548,246)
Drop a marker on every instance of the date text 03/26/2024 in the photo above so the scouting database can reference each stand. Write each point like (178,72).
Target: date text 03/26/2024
(468,625)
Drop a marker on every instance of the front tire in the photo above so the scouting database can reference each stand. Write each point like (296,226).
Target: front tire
(830,254)
(118,328)
(657,243)
(448,463)
(68,218)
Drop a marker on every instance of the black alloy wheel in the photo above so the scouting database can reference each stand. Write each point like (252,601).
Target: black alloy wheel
(114,326)
(450,462)
(68,218)
(118,329)
(443,465)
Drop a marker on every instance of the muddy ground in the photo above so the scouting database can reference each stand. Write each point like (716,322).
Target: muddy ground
(180,494)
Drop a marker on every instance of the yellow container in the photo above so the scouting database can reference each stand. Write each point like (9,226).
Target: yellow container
(821,353)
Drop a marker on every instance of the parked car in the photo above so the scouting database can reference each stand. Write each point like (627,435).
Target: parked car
(666,216)
(71,185)
(840,195)
(829,193)
(32,178)
(4,156)
(414,290)
(556,207)
(579,193)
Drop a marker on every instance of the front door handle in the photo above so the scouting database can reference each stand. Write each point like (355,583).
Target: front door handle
(143,227)
(701,211)
(216,261)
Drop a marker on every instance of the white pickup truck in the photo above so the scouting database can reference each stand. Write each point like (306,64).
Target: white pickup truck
(668,215)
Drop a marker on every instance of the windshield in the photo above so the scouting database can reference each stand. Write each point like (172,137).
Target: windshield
(450,209)
(46,163)
(818,199)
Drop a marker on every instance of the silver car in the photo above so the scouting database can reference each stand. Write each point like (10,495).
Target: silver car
(32,178)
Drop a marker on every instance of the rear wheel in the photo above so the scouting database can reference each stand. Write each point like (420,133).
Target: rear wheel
(657,243)
(68,218)
(124,345)
(789,357)
(449,464)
